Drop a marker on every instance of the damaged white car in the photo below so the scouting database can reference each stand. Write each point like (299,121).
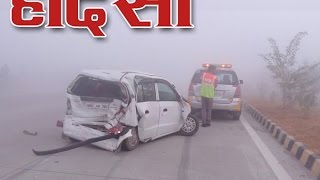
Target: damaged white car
(100,102)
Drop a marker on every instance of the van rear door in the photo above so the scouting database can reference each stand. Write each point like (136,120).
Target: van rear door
(90,97)
(227,85)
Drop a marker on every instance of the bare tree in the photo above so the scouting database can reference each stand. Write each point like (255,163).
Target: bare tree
(307,85)
(282,66)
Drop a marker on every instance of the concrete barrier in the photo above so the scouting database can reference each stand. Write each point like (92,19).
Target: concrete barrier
(309,159)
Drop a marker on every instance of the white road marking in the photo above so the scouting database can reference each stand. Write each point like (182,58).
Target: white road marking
(278,170)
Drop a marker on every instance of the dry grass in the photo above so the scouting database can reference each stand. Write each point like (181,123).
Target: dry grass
(305,128)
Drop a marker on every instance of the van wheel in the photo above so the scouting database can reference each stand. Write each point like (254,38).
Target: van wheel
(131,142)
(236,115)
(190,126)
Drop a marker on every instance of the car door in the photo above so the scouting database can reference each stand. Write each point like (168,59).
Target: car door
(170,108)
(148,110)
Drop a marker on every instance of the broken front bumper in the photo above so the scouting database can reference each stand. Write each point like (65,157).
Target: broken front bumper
(73,129)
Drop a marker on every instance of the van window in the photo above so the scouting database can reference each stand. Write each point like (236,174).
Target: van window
(91,87)
(197,77)
(227,77)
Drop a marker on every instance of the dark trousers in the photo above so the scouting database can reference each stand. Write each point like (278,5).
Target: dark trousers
(206,109)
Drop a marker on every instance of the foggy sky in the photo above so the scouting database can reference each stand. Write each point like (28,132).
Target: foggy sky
(225,32)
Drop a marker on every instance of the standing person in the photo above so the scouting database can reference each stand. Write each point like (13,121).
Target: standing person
(209,83)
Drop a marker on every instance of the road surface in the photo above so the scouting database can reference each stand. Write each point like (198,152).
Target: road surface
(227,150)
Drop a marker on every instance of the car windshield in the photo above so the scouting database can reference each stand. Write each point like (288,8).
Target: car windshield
(225,77)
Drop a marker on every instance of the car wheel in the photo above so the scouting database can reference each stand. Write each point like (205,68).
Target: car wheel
(236,115)
(132,142)
(190,126)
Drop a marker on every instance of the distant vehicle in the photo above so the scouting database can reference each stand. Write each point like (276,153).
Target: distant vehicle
(101,101)
(227,94)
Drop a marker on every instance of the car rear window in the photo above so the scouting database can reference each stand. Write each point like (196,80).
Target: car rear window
(91,87)
(225,77)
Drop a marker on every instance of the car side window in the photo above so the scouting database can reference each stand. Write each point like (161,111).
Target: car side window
(166,93)
(146,92)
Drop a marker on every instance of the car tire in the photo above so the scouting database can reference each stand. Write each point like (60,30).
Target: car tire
(132,142)
(236,115)
(190,127)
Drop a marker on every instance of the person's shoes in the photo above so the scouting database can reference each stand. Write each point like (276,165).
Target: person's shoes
(208,124)
(205,125)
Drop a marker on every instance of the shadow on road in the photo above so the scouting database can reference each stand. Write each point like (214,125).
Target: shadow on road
(217,116)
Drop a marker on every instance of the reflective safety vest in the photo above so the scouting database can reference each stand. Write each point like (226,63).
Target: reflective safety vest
(208,85)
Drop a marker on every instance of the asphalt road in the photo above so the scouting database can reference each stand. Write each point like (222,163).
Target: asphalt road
(225,151)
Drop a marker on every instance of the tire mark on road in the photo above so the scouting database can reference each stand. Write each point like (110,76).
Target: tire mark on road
(122,178)
(121,156)
(80,174)
(19,171)
(184,162)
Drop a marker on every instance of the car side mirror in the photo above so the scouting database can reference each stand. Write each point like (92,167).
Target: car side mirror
(241,81)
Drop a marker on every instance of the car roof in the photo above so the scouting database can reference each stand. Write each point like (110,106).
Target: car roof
(115,75)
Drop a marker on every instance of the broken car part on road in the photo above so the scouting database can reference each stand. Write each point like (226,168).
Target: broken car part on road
(26,132)
(82,143)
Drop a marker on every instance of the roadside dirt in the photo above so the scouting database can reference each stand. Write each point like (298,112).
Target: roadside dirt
(305,128)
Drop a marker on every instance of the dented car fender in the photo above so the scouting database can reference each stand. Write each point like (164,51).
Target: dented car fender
(186,109)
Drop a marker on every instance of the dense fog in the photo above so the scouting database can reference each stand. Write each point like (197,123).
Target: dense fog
(45,60)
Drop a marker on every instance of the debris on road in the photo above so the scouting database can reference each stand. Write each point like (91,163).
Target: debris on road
(26,132)
(81,143)
(59,123)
